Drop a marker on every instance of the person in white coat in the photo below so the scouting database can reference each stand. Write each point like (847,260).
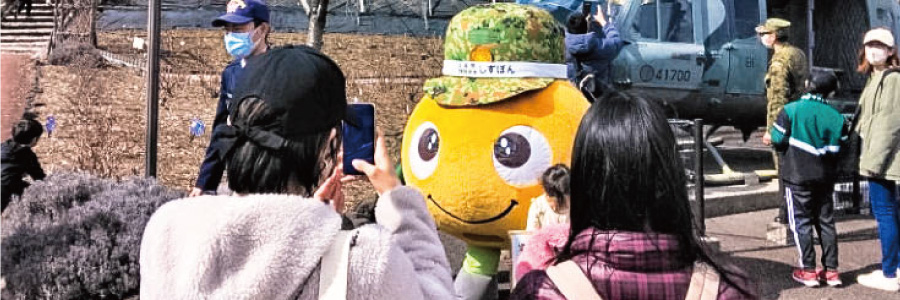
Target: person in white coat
(267,240)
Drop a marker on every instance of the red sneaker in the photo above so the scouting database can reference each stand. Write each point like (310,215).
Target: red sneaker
(807,278)
(830,277)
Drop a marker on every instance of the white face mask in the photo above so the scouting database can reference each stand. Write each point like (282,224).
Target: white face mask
(876,56)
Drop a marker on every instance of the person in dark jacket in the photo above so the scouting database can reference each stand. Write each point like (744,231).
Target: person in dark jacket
(246,24)
(17,159)
(632,234)
(592,42)
(807,135)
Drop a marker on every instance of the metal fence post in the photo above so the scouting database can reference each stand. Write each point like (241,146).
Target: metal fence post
(152,86)
(698,174)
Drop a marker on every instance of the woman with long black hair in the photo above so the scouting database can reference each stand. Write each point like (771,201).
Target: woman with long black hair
(632,233)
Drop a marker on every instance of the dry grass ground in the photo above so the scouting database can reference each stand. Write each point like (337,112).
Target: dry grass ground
(101,112)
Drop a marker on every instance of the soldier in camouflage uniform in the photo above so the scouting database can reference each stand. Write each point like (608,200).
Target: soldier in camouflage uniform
(785,80)
(788,69)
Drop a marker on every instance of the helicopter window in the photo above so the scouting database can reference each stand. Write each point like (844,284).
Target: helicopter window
(720,15)
(677,21)
(746,17)
(645,24)
(665,20)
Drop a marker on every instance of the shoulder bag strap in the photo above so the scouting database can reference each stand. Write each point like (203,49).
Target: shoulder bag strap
(335,266)
(572,282)
(704,283)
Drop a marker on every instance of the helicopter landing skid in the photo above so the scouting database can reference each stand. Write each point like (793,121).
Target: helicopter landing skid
(728,176)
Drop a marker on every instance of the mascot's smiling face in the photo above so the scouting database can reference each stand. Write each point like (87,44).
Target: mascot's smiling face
(479,166)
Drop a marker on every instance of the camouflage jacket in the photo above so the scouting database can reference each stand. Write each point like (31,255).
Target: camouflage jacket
(785,79)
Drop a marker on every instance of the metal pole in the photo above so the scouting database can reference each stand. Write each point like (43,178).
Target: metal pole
(811,36)
(698,172)
(152,86)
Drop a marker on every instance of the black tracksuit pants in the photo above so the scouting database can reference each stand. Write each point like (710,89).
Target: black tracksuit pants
(810,207)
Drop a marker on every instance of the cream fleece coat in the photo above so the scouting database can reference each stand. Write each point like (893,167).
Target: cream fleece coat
(269,247)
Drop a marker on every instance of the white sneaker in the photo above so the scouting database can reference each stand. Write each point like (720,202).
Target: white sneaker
(877,280)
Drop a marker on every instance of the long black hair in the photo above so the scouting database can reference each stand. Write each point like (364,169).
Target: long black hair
(626,171)
(296,169)
(627,176)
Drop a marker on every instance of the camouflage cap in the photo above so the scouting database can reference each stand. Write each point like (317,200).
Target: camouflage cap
(773,25)
(494,52)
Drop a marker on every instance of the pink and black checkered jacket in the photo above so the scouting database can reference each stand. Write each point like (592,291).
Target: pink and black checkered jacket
(630,265)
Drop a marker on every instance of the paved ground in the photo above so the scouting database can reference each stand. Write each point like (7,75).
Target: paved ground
(743,236)
(13,85)
(743,242)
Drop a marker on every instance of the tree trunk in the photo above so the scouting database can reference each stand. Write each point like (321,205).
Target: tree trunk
(92,23)
(318,12)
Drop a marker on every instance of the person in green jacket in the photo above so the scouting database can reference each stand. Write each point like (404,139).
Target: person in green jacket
(807,134)
(879,162)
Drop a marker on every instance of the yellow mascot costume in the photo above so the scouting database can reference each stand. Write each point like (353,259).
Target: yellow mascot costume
(478,141)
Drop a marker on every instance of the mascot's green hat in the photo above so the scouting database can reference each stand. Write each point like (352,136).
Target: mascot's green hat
(494,52)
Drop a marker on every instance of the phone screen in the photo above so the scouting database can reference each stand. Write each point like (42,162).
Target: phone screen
(359,136)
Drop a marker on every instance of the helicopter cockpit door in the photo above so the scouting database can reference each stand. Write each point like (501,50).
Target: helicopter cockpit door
(664,52)
(748,57)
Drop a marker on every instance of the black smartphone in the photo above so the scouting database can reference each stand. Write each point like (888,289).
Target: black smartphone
(359,136)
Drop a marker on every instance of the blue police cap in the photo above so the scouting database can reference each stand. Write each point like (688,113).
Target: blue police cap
(243,11)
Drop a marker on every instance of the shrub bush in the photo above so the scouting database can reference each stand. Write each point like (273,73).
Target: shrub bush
(76,55)
(76,236)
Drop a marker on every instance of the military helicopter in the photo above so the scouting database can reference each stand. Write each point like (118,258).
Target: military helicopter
(702,58)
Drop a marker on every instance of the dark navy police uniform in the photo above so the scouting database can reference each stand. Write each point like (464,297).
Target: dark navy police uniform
(213,166)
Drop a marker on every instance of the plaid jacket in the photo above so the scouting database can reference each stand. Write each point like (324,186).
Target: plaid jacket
(629,265)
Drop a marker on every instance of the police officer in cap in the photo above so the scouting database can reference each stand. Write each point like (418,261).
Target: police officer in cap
(785,80)
(247,28)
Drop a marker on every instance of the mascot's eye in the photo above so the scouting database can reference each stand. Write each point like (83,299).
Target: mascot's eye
(521,154)
(429,144)
(424,151)
(512,150)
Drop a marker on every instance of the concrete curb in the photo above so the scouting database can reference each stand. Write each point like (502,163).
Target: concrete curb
(728,200)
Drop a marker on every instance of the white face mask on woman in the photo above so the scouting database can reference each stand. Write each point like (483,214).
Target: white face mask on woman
(877,56)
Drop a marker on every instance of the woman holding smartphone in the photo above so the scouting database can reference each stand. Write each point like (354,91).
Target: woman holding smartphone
(267,241)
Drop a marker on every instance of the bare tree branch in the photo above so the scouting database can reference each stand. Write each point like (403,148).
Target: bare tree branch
(305,4)
(317,22)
